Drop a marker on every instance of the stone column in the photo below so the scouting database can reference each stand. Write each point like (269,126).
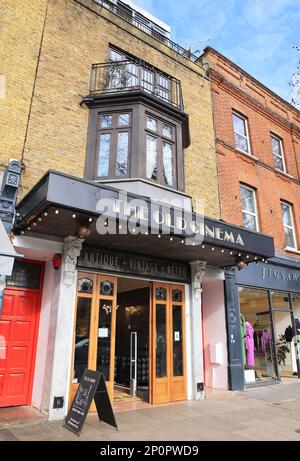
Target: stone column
(63,340)
(197,272)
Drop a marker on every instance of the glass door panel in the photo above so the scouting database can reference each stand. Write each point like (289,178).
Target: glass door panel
(82,338)
(177,341)
(161,341)
(104,338)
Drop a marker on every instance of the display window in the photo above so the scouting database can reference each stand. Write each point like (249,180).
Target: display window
(257,336)
(270,331)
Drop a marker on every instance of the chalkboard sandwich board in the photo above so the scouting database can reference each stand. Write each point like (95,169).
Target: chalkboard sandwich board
(92,386)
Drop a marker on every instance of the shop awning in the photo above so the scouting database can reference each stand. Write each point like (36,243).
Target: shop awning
(7,253)
(59,203)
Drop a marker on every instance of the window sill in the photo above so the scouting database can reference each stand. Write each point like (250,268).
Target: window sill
(239,151)
(284,173)
(292,250)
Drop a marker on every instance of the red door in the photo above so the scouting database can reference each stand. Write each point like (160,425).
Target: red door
(18,333)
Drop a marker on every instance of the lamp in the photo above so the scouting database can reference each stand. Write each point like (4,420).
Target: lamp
(83,231)
(240,263)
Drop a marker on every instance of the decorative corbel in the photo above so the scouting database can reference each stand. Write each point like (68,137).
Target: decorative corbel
(72,250)
(198,271)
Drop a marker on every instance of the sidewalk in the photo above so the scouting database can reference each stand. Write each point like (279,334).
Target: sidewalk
(267,413)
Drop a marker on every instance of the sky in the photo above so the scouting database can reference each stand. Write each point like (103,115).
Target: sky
(258,35)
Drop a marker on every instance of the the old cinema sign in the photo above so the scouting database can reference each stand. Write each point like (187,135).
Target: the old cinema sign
(157,217)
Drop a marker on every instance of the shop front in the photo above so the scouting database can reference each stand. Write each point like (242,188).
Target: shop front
(130,325)
(129,302)
(268,306)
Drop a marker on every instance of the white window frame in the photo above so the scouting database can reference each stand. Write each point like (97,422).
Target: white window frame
(237,114)
(255,206)
(281,151)
(292,227)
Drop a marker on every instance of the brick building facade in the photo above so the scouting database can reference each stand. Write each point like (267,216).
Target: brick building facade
(233,90)
(258,159)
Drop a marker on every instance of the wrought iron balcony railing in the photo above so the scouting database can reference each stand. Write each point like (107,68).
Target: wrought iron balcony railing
(126,76)
(139,21)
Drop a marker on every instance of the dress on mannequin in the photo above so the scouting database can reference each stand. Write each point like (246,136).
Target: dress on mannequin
(250,361)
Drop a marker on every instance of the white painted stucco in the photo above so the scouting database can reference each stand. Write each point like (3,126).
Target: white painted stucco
(214,329)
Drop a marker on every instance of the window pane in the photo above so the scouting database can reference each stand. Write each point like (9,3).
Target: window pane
(163,87)
(131,75)
(104,337)
(85,286)
(168,163)
(177,296)
(289,237)
(286,215)
(161,341)
(104,150)
(280,300)
(247,196)
(106,288)
(123,120)
(279,165)
(285,337)
(152,157)
(161,294)
(25,275)
(147,80)
(122,155)
(106,121)
(177,341)
(241,142)
(151,124)
(249,221)
(82,335)
(239,125)
(258,348)
(167,131)
(116,56)
(276,146)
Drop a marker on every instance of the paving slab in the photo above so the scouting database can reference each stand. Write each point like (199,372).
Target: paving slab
(261,414)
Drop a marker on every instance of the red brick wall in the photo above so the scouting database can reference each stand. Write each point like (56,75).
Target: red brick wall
(231,89)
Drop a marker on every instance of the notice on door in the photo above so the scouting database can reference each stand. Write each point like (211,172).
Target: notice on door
(103,333)
(177,336)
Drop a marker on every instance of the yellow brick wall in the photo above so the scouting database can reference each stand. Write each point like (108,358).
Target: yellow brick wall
(74,38)
(21,25)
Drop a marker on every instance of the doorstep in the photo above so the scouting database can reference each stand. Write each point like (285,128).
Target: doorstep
(12,416)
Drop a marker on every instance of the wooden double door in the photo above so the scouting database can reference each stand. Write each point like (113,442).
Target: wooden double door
(95,335)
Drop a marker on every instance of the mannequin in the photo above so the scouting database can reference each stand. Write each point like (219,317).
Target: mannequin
(250,361)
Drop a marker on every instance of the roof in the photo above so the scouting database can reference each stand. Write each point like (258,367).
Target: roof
(212,50)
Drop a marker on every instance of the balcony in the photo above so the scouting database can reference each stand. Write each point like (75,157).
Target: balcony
(142,23)
(128,76)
